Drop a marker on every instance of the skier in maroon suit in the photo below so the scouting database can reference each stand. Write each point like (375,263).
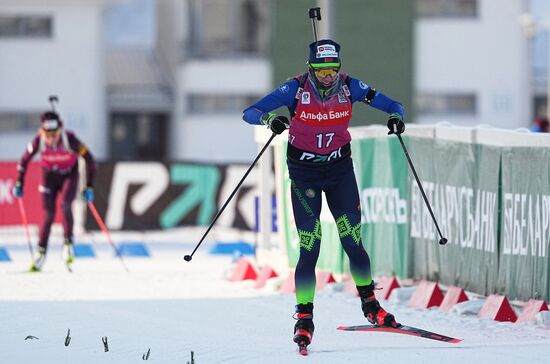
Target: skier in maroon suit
(59,150)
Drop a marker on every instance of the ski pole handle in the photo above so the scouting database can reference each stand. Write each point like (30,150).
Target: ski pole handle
(53,99)
(314,14)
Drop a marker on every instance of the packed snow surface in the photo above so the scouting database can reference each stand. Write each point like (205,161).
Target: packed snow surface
(173,307)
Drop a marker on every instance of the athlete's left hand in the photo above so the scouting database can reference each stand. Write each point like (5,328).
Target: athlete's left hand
(395,124)
(88,194)
(18,189)
(277,123)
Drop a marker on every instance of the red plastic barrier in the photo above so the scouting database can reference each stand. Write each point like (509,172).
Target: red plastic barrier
(427,294)
(243,271)
(349,286)
(531,309)
(498,308)
(386,285)
(266,273)
(453,296)
(288,286)
(323,279)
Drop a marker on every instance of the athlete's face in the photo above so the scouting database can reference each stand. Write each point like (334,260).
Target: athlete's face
(51,137)
(326,76)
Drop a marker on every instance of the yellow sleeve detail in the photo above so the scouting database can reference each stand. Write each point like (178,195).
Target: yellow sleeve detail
(83,150)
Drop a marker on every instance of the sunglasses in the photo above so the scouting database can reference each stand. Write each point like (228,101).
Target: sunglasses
(323,72)
(50,133)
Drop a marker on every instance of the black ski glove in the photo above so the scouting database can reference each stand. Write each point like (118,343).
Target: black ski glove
(395,124)
(277,123)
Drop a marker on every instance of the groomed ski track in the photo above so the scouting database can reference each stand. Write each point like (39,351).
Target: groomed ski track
(173,307)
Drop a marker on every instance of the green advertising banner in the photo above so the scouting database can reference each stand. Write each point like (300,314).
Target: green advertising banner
(525,223)
(382,173)
(461,182)
(492,203)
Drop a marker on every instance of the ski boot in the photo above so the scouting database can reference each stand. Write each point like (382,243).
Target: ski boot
(372,310)
(36,266)
(303,330)
(68,253)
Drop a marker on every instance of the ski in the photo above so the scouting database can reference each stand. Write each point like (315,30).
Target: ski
(403,329)
(302,348)
(303,339)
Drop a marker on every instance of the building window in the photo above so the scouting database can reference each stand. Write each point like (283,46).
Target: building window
(228,28)
(539,105)
(446,104)
(25,26)
(18,122)
(138,136)
(214,104)
(447,8)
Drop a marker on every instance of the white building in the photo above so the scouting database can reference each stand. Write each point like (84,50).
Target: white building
(472,65)
(217,52)
(51,47)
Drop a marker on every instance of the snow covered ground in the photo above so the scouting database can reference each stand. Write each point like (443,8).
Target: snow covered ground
(173,307)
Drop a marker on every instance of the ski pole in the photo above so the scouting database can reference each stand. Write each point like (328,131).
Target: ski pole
(189,257)
(26,224)
(314,14)
(442,240)
(104,228)
(53,99)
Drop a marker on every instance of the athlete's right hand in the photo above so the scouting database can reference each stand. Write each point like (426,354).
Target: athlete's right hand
(395,124)
(277,123)
(18,189)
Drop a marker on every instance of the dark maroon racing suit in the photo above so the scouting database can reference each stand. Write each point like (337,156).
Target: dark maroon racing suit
(59,164)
